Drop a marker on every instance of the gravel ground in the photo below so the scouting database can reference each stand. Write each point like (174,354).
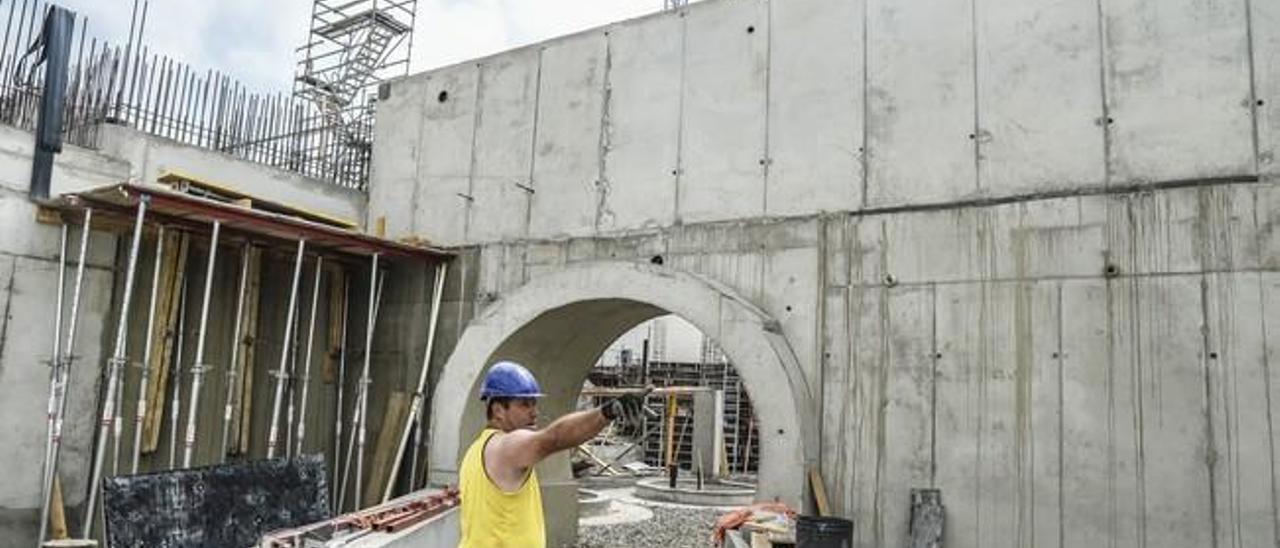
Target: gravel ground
(673,527)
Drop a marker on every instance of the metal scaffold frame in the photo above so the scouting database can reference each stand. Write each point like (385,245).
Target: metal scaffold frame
(353,47)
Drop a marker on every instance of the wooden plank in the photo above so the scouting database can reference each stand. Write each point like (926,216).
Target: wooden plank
(337,280)
(819,492)
(57,512)
(183,182)
(242,419)
(172,274)
(388,433)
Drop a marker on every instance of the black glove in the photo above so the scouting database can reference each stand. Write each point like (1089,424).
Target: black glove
(629,407)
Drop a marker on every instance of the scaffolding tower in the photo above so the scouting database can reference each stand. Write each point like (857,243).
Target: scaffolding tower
(354,46)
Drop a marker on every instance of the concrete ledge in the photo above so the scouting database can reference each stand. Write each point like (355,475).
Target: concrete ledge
(713,493)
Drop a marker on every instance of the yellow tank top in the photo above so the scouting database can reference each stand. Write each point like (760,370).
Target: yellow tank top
(491,517)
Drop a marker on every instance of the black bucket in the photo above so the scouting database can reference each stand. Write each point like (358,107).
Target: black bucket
(817,532)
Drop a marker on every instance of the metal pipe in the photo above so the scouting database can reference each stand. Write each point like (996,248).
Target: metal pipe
(418,434)
(198,366)
(233,371)
(141,413)
(282,374)
(114,368)
(358,407)
(364,379)
(290,392)
(55,368)
(306,362)
(67,357)
(342,383)
(416,404)
(175,392)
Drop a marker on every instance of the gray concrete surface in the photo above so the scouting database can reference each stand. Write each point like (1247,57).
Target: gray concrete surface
(1023,252)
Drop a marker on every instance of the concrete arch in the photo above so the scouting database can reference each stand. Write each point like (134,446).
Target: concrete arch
(559,323)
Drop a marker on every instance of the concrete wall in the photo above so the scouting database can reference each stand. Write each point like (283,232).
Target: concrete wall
(747,109)
(1023,251)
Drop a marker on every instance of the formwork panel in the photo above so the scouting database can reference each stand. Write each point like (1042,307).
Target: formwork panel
(645,61)
(1239,391)
(815,106)
(566,163)
(1039,96)
(921,100)
(723,126)
(1179,106)
(1100,488)
(1265,19)
(395,166)
(508,95)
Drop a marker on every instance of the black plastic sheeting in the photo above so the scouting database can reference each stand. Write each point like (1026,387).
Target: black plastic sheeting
(225,506)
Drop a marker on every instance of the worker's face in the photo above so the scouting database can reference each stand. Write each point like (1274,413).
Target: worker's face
(518,414)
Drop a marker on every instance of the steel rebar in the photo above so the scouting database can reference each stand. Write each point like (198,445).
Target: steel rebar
(115,366)
(282,374)
(198,367)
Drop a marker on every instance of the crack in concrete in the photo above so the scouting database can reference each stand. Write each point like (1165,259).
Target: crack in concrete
(8,306)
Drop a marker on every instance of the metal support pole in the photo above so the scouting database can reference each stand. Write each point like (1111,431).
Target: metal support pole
(416,404)
(175,377)
(233,371)
(418,438)
(198,366)
(357,409)
(66,358)
(291,386)
(115,365)
(306,362)
(362,427)
(282,374)
(55,368)
(342,383)
(141,415)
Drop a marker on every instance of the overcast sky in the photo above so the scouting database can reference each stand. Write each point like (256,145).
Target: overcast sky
(254,40)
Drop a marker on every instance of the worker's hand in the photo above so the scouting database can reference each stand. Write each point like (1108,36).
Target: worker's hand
(629,407)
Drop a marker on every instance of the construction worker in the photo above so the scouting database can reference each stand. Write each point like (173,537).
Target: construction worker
(501,499)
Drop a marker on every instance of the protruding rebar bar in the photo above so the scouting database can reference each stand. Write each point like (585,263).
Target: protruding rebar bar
(198,366)
(115,367)
(273,436)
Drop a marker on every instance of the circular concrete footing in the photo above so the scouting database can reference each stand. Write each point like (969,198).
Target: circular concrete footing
(592,503)
(713,493)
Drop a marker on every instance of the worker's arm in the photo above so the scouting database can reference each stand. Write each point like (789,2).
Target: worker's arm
(524,448)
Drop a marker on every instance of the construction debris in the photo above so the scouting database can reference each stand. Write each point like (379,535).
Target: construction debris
(389,517)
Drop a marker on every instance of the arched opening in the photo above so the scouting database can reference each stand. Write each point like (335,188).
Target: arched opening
(560,323)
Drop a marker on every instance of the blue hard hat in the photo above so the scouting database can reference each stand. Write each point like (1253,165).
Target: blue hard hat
(507,379)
